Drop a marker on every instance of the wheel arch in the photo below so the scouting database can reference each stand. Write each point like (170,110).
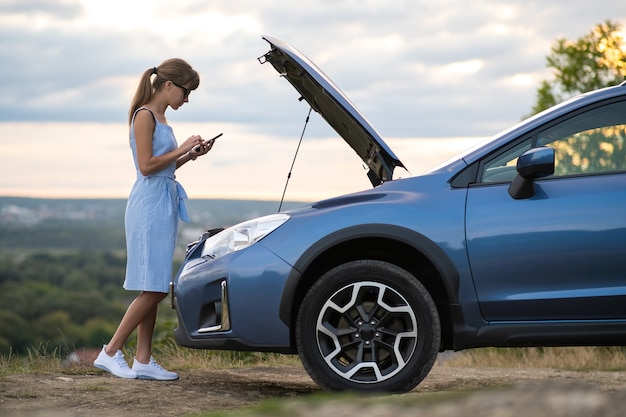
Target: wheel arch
(403,247)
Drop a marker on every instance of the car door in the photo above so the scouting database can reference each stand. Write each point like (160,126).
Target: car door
(560,254)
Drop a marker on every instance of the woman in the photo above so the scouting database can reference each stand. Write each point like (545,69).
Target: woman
(152,212)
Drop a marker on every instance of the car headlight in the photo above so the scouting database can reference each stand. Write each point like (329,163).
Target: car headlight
(242,235)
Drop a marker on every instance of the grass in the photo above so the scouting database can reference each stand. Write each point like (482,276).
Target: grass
(567,358)
(170,355)
(37,360)
(178,357)
(40,360)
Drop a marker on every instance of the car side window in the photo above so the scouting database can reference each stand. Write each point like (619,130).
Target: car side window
(591,142)
(503,167)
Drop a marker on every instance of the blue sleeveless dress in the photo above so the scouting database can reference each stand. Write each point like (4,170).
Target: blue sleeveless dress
(155,204)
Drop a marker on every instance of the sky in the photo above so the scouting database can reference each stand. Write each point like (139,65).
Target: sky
(432,76)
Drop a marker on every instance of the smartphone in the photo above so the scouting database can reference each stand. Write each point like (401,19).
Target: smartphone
(197,149)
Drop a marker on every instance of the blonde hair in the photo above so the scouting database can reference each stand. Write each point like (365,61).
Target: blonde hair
(175,69)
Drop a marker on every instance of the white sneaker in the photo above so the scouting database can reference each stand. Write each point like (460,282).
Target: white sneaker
(152,370)
(114,364)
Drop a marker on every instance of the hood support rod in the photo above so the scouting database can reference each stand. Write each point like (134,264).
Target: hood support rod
(306,122)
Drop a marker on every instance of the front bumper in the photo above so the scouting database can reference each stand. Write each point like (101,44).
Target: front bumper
(232,302)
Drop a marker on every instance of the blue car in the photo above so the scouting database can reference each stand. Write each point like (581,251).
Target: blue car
(520,241)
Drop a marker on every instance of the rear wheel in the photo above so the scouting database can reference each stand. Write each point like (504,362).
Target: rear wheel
(368,325)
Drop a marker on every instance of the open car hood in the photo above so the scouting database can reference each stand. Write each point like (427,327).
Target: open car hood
(328,100)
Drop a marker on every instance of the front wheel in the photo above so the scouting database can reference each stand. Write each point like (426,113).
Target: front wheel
(368,325)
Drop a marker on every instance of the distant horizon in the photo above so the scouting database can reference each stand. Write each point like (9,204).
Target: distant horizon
(93,160)
(126,198)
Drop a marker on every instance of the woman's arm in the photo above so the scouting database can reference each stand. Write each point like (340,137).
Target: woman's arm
(148,163)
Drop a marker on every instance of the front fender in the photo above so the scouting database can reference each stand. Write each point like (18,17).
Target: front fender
(415,240)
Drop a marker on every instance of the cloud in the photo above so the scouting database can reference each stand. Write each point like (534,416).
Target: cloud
(415,68)
(45,9)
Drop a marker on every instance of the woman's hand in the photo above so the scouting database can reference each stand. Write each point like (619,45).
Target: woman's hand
(200,148)
(191,143)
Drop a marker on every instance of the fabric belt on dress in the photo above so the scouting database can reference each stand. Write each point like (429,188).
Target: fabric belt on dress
(181,195)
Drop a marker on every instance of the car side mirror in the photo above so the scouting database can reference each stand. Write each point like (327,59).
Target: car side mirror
(532,164)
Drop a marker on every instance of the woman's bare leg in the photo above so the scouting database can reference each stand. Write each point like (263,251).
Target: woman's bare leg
(145,330)
(143,308)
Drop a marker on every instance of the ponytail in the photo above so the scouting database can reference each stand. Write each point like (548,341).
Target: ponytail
(143,94)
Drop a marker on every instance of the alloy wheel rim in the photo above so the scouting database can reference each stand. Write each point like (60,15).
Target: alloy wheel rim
(366,332)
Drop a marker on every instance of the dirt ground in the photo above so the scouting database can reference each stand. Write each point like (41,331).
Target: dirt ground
(484,391)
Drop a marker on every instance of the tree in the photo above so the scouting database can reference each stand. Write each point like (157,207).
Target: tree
(59,301)
(596,60)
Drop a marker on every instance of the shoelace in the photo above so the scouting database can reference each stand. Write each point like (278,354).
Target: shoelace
(119,359)
(155,364)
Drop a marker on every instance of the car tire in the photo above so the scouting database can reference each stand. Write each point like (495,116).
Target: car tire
(368,325)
